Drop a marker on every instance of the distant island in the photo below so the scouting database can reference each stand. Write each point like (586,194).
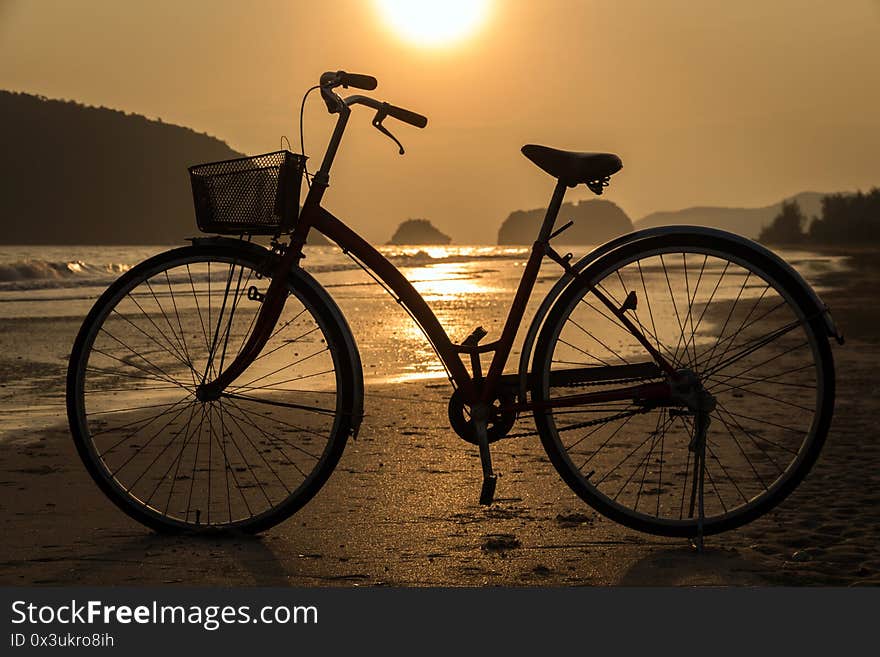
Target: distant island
(595,221)
(744,221)
(74,174)
(418,231)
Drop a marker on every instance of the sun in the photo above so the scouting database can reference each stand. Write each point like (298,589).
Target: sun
(434,23)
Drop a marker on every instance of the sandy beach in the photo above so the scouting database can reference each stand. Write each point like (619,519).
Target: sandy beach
(401,508)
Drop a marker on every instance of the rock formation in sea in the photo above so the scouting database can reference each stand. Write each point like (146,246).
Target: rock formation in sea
(595,221)
(418,231)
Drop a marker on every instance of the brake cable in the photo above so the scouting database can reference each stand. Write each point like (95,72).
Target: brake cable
(302,141)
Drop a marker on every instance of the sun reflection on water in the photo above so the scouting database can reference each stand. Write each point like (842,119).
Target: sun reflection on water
(447,281)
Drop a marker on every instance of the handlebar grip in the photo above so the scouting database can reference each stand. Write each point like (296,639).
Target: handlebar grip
(406,116)
(358,80)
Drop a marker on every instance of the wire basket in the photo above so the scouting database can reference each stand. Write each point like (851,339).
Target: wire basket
(257,195)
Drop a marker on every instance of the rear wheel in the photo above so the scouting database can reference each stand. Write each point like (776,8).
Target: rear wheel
(243,462)
(749,334)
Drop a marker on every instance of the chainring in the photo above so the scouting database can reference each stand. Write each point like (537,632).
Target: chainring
(499,424)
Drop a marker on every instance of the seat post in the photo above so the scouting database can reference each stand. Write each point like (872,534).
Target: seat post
(552,211)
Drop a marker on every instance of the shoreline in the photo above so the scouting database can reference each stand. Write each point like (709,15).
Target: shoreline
(401,508)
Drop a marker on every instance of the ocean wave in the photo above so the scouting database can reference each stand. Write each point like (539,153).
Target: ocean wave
(423,258)
(34,273)
(36,270)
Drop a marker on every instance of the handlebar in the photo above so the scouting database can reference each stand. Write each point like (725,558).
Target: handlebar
(332,79)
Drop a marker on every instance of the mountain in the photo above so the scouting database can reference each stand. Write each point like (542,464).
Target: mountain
(418,231)
(595,221)
(74,174)
(744,221)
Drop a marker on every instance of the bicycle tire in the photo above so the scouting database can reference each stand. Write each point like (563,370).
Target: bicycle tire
(796,299)
(261,436)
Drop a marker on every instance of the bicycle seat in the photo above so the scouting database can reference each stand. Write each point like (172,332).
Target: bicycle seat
(573,168)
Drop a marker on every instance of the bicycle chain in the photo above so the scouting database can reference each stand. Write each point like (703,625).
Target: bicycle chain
(600,420)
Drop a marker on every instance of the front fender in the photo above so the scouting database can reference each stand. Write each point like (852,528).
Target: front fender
(571,274)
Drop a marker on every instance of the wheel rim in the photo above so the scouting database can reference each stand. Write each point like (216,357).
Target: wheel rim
(702,309)
(223,464)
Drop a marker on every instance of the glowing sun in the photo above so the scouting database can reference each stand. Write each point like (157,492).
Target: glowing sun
(434,22)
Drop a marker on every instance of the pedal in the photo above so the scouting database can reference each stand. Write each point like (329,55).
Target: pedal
(475,336)
(487,492)
(472,341)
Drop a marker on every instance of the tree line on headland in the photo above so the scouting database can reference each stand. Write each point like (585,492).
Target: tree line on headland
(73,174)
(844,219)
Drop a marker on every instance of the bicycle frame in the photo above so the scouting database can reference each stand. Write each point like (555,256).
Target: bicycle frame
(474,387)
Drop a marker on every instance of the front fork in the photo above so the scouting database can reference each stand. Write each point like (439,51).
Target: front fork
(273,303)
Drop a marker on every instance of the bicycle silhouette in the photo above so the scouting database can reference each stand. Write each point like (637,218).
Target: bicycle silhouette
(680,378)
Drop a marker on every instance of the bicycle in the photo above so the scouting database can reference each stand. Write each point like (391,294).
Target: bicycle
(684,369)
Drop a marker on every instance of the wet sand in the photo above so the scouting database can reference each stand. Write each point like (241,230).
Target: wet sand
(401,509)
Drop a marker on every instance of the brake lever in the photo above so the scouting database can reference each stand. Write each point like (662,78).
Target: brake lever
(377,123)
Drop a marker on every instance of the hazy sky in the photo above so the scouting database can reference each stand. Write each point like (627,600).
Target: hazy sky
(707,102)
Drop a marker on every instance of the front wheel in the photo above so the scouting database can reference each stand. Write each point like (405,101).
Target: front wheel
(242,462)
(724,315)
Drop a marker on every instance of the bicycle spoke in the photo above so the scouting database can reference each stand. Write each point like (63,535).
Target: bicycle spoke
(177,460)
(247,417)
(671,295)
(607,440)
(180,327)
(303,407)
(625,458)
(645,461)
(724,379)
(616,355)
(648,301)
(272,440)
(178,346)
(724,321)
(739,330)
(280,369)
(198,307)
(283,423)
(165,376)
(779,305)
(729,315)
(265,460)
(104,453)
(595,358)
(172,348)
(154,341)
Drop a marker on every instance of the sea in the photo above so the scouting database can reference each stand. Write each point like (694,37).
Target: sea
(465,285)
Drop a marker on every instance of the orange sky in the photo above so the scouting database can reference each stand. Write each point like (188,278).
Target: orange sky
(710,102)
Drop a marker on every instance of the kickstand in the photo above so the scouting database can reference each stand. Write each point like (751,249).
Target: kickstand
(701,425)
(490,479)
